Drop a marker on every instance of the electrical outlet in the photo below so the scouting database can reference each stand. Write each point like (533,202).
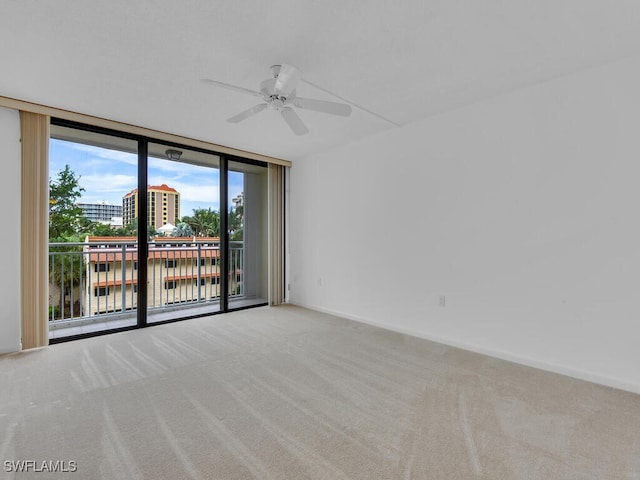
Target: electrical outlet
(442,301)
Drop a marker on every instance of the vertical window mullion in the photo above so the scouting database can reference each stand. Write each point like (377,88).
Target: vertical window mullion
(224,235)
(143,220)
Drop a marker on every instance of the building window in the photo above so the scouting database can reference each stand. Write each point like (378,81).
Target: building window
(170,263)
(170,284)
(101,291)
(215,280)
(203,281)
(101,267)
(135,265)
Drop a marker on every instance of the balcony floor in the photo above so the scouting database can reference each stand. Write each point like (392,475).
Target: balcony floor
(110,322)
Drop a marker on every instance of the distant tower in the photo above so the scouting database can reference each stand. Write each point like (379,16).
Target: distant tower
(163,206)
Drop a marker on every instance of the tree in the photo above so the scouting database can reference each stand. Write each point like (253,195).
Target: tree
(65,217)
(66,225)
(204,222)
(183,230)
(131,230)
(98,229)
(235,224)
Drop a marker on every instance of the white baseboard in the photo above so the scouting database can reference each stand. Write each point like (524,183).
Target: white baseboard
(510,357)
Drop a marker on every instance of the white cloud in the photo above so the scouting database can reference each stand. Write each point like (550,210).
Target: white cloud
(105,153)
(109,186)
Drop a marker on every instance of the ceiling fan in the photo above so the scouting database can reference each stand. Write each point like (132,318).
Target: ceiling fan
(279,93)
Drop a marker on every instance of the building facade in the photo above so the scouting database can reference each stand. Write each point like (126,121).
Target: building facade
(180,270)
(100,211)
(163,205)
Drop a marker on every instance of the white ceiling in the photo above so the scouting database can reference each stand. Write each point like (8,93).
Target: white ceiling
(141,61)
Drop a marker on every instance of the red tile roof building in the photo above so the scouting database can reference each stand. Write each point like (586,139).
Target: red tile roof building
(180,270)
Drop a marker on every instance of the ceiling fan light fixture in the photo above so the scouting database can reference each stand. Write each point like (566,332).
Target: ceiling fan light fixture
(275,70)
(173,154)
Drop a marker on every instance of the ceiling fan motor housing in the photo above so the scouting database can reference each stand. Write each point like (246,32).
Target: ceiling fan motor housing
(274,99)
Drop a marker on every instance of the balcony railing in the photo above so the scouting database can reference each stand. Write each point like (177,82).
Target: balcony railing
(91,282)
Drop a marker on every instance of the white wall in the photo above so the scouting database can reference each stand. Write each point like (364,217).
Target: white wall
(522,210)
(10,200)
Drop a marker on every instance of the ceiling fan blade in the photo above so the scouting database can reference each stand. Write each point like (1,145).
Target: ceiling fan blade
(247,113)
(333,108)
(288,78)
(232,87)
(294,121)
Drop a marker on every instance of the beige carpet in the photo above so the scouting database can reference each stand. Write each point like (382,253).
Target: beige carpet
(291,394)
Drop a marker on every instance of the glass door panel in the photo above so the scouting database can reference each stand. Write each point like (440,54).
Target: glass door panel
(92,250)
(183,206)
(247,227)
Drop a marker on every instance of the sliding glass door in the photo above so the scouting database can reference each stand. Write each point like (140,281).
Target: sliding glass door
(144,232)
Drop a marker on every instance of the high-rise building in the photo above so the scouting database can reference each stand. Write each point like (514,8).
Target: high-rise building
(100,211)
(163,205)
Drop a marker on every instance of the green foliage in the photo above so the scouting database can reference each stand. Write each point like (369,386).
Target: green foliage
(97,229)
(67,224)
(104,230)
(183,230)
(204,222)
(235,224)
(66,266)
(65,217)
(54,312)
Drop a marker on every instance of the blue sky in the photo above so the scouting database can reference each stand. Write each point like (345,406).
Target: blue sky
(109,174)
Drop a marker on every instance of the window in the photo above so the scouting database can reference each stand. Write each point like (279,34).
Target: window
(208,261)
(195,273)
(101,267)
(101,291)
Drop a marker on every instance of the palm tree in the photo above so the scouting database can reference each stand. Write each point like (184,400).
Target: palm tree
(183,230)
(204,222)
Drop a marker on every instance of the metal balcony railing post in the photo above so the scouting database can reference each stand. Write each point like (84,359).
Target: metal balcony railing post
(123,275)
(71,286)
(62,289)
(89,280)
(52,274)
(198,276)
